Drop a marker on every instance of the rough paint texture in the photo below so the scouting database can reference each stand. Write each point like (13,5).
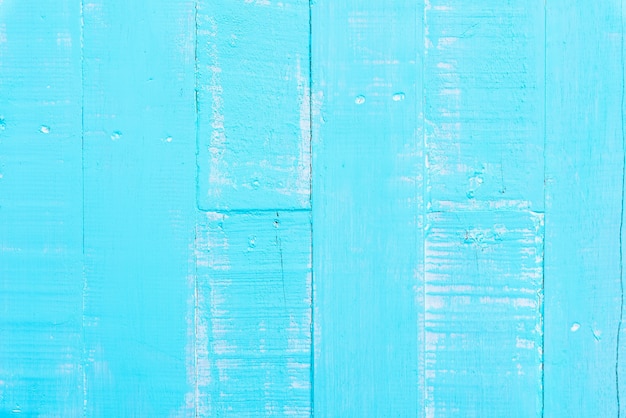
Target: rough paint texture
(244,208)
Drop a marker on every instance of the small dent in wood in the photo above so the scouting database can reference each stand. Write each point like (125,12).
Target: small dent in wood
(398,97)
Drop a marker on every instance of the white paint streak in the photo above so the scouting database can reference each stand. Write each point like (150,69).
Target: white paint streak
(217,171)
(303,180)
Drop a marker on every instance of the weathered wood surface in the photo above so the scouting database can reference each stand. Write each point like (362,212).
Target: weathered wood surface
(312,208)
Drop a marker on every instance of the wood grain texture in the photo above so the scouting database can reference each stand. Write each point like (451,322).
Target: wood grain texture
(367,204)
(40,210)
(253,105)
(483,97)
(312,208)
(254,316)
(584,205)
(139,151)
(253,241)
(483,93)
(483,318)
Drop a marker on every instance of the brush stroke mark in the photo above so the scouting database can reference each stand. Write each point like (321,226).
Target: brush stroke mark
(483,300)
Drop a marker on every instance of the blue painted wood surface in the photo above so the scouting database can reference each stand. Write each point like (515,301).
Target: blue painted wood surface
(312,208)
(483,94)
(139,207)
(584,211)
(367,209)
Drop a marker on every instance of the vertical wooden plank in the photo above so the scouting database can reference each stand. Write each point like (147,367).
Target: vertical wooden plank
(484,235)
(367,205)
(253,240)
(40,209)
(139,152)
(253,77)
(483,323)
(254,322)
(484,105)
(584,202)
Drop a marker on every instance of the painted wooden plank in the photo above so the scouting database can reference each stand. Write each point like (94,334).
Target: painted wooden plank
(254,239)
(484,114)
(584,204)
(483,319)
(484,94)
(367,205)
(254,315)
(253,81)
(190,204)
(139,152)
(40,210)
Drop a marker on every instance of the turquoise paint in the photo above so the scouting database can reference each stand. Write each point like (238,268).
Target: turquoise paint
(356,209)
(139,207)
(41,283)
(253,239)
(584,208)
(254,317)
(253,107)
(367,209)
(483,94)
